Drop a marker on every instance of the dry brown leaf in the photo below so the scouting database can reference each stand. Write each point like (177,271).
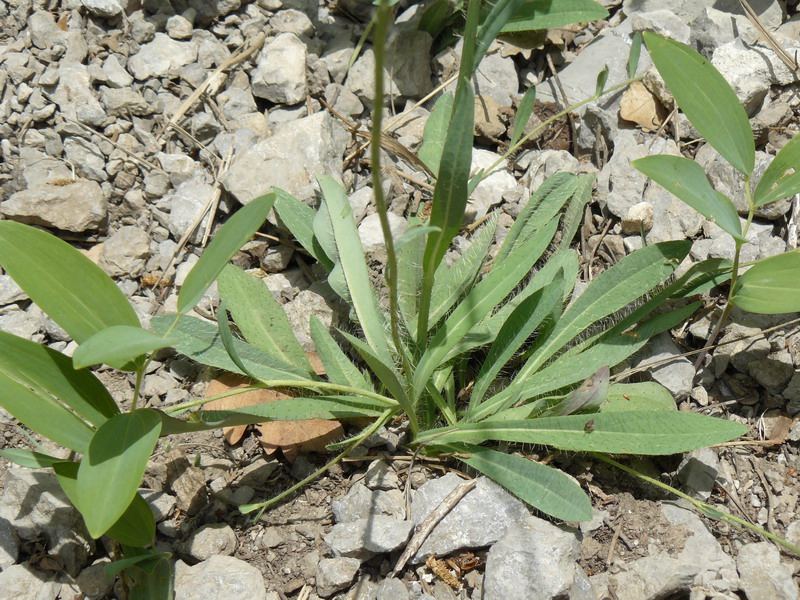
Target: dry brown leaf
(781,426)
(230,381)
(640,106)
(63,22)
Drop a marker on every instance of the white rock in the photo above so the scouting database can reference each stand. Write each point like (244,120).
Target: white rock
(75,96)
(489,192)
(280,75)
(664,22)
(300,310)
(219,577)
(371,233)
(104,8)
(179,27)
(638,219)
(77,207)
(116,75)
(216,539)
(762,575)
(159,57)
(23,581)
(125,252)
(334,574)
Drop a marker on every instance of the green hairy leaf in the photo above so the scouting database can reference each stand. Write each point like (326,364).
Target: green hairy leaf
(546,14)
(523,115)
(122,347)
(782,177)
(706,99)
(434,136)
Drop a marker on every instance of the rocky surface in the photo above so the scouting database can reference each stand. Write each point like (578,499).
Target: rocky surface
(133,129)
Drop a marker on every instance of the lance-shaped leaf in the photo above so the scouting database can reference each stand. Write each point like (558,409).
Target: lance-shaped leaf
(434,135)
(632,432)
(523,114)
(113,467)
(69,287)
(119,347)
(338,366)
(687,180)
(706,99)
(782,177)
(624,397)
(534,15)
(543,487)
(232,236)
(299,219)
(771,286)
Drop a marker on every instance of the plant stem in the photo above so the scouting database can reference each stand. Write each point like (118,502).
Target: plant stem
(706,509)
(262,506)
(734,277)
(288,383)
(382,18)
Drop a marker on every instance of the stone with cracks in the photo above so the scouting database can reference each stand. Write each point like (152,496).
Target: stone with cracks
(78,206)
(161,56)
(219,577)
(364,538)
(334,574)
(280,75)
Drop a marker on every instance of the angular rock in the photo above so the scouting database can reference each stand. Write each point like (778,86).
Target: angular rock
(300,310)
(360,501)
(78,206)
(88,160)
(116,75)
(381,476)
(216,539)
(288,161)
(712,28)
(497,77)
(186,204)
(93,582)
(364,538)
(479,519)
(489,192)
(393,589)
(10,292)
(371,233)
(663,22)
(23,581)
(36,506)
(161,56)
(768,12)
(74,94)
(104,8)
(179,27)
(334,574)
(280,75)
(698,472)
(762,575)
(125,101)
(534,560)
(126,252)
(9,542)
(677,374)
(219,577)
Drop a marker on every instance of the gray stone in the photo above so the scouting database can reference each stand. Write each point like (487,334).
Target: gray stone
(74,94)
(360,501)
(161,56)
(10,292)
(774,372)
(675,375)
(36,506)
(87,158)
(768,11)
(371,233)
(541,164)
(236,102)
(334,574)
(293,21)
(364,538)
(23,323)
(125,253)
(381,476)
(337,56)
(669,572)
(300,310)
(186,204)
(497,78)
(123,102)
(257,474)
(639,218)
(179,27)
(43,29)
(9,541)
(534,560)
(23,581)
(276,258)
(664,22)
(288,161)
(179,166)
(216,539)
(712,28)
(280,75)
(116,75)
(698,472)
(93,582)
(479,519)
(161,503)
(762,575)
(489,192)
(104,8)
(750,347)
(77,206)
(219,577)
(392,589)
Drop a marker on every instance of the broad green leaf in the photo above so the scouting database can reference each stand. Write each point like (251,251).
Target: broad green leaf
(117,566)
(354,266)
(602,78)
(625,397)
(30,459)
(771,286)
(434,135)
(523,115)
(499,15)
(515,331)
(633,56)
(706,99)
(69,287)
(50,375)
(40,411)
(702,276)
(232,236)
(687,180)
(154,583)
(299,218)
(632,432)
(226,336)
(586,398)
(260,317)
(112,469)
(450,195)
(136,526)
(626,281)
(500,281)
(119,346)
(534,15)
(323,233)
(782,177)
(545,488)
(413,233)
(202,342)
(452,282)
(338,367)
